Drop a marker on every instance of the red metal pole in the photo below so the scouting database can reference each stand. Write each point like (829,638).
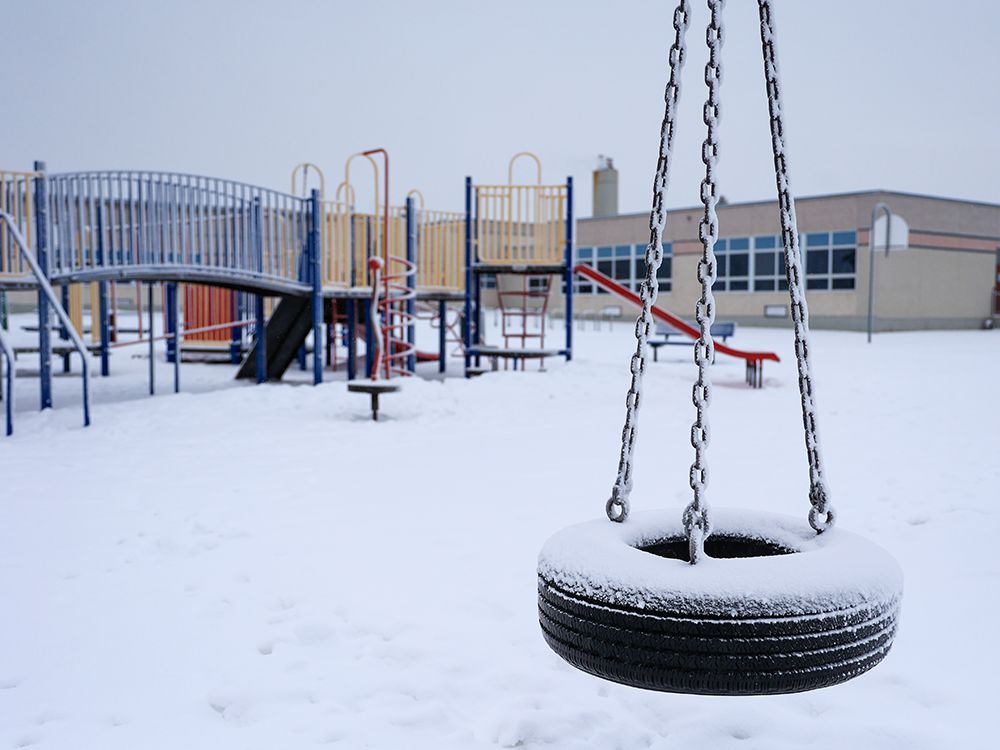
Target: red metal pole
(385,258)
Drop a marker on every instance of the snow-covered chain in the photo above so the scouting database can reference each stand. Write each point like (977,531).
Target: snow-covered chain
(696,521)
(821,515)
(618,505)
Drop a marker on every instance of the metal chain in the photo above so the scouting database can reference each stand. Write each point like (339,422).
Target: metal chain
(696,521)
(617,506)
(821,514)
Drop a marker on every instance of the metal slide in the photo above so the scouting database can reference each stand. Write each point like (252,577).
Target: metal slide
(669,318)
(286,330)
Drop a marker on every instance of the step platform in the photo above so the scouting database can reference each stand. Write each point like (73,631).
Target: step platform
(374,388)
(496,353)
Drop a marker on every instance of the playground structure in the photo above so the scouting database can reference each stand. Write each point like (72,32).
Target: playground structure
(262,278)
(521,235)
(255,273)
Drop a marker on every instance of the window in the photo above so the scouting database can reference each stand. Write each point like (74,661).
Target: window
(626,264)
(768,264)
(585,256)
(733,258)
(488,281)
(829,259)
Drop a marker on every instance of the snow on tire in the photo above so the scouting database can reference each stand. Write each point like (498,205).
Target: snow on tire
(774,609)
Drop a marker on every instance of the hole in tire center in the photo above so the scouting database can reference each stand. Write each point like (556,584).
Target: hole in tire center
(719,546)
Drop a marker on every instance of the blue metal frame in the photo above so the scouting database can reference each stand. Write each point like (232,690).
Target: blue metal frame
(104,312)
(442,337)
(315,257)
(168,310)
(411,302)
(568,276)
(174,322)
(7,354)
(236,333)
(63,333)
(369,343)
(187,228)
(45,288)
(261,324)
(352,342)
(44,313)
(467,332)
(152,342)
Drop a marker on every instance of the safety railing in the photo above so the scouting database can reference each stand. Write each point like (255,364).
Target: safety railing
(520,224)
(29,260)
(17,201)
(7,360)
(117,220)
(351,238)
(440,250)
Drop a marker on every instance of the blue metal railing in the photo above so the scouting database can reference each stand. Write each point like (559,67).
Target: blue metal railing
(107,222)
(8,354)
(46,289)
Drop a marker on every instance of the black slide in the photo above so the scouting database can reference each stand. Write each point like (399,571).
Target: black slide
(285,332)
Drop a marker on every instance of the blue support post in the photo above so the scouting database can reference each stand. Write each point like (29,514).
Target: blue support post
(63,333)
(104,312)
(477,311)
(442,337)
(369,343)
(168,311)
(352,342)
(152,341)
(467,333)
(105,322)
(44,313)
(316,258)
(411,280)
(175,326)
(261,324)
(235,333)
(569,269)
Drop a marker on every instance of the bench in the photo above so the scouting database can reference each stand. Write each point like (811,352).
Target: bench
(722,330)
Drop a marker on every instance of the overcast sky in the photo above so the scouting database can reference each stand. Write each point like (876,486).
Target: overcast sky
(898,94)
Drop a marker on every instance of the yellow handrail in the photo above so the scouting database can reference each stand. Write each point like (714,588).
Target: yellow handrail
(17,199)
(304,168)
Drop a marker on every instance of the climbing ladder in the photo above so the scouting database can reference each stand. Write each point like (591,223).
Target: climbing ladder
(523,309)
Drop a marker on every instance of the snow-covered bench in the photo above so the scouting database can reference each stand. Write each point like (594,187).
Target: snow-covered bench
(722,330)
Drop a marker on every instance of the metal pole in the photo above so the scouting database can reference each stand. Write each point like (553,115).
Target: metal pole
(569,269)
(63,333)
(369,339)
(871,259)
(468,275)
(411,280)
(102,293)
(442,337)
(175,315)
(315,256)
(152,336)
(260,334)
(44,314)
(352,342)
(236,334)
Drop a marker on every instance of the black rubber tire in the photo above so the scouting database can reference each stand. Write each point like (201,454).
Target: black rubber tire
(683,650)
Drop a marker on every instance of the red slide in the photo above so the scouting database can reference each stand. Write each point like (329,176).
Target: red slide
(670,319)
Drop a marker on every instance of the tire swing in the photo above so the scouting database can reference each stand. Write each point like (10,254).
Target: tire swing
(732,602)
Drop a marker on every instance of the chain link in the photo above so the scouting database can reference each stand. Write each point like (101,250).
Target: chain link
(821,514)
(696,521)
(617,506)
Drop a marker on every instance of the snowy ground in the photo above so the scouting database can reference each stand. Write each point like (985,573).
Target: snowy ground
(263,567)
